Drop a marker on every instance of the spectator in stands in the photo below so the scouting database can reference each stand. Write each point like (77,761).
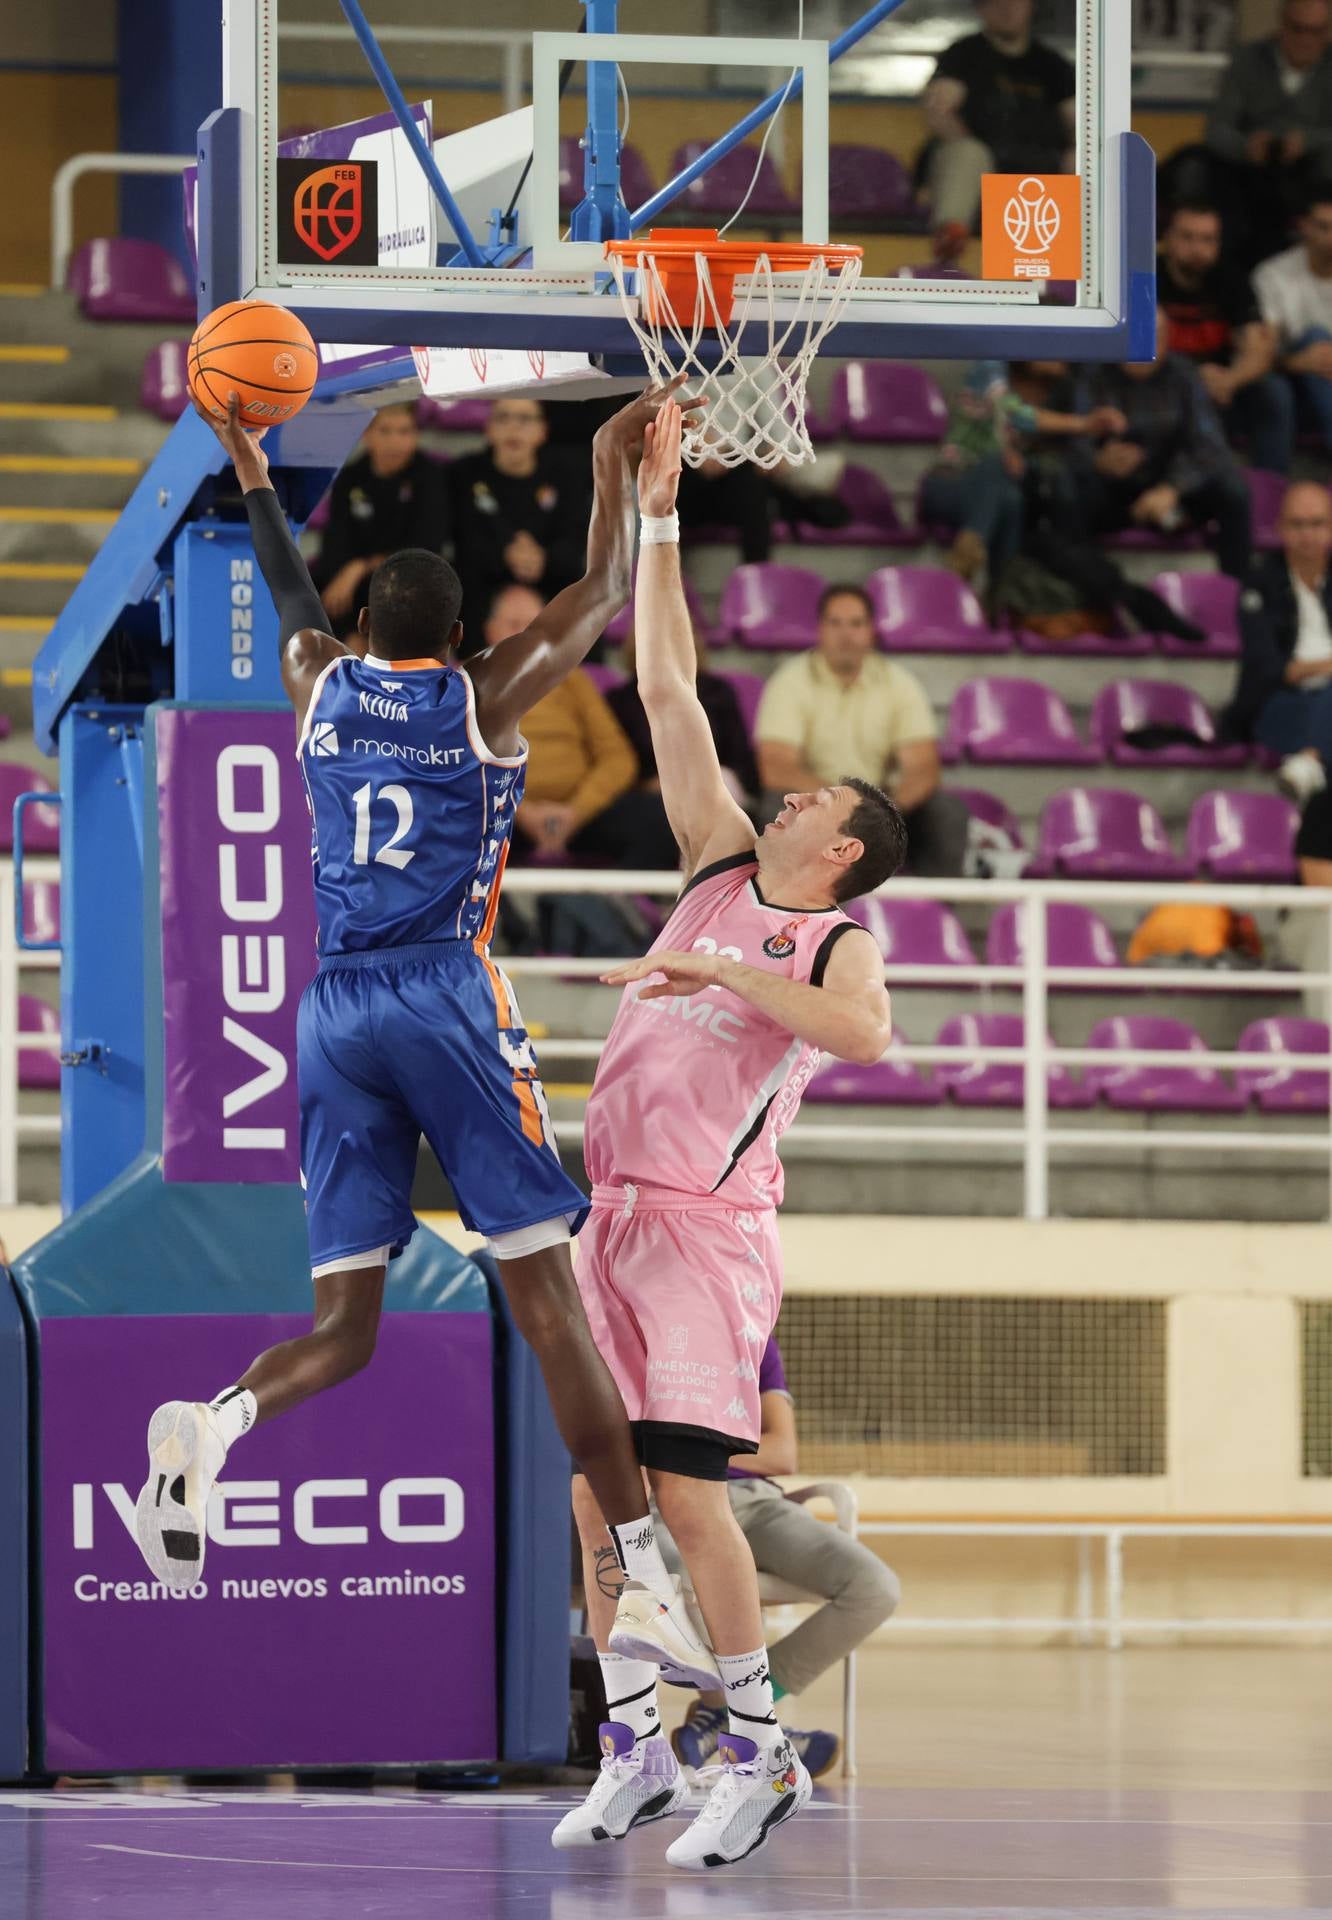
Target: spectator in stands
(978,485)
(390,497)
(999,101)
(1294,292)
(794,1545)
(580,796)
(1169,469)
(1271,126)
(842,710)
(1214,322)
(519,512)
(1283,699)
(716,496)
(1313,844)
(729,733)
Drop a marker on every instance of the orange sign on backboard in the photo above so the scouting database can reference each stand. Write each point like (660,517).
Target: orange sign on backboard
(1031,226)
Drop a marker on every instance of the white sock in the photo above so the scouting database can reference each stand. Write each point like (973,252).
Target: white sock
(636,1549)
(631,1693)
(749,1705)
(233,1414)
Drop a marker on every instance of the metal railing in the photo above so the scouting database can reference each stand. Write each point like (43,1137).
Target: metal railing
(67,178)
(16,1127)
(1033,1134)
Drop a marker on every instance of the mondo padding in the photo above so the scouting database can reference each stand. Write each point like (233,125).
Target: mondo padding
(259,351)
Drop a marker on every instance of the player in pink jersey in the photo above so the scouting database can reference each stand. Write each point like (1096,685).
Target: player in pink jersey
(756,973)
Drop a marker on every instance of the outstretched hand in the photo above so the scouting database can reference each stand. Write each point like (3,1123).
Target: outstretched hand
(249,458)
(627,427)
(684,973)
(659,471)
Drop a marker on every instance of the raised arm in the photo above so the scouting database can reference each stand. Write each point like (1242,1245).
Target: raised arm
(305,645)
(704,817)
(510,680)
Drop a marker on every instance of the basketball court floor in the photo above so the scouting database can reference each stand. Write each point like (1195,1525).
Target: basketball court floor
(993,1783)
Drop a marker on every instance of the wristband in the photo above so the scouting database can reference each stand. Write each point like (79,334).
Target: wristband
(664,532)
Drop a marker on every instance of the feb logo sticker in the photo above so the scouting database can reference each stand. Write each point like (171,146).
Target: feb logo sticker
(1031,226)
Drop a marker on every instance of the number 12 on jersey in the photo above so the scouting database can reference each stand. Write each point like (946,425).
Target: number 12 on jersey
(390,854)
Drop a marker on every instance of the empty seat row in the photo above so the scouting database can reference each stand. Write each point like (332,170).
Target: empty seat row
(1012,722)
(1277,1083)
(864,183)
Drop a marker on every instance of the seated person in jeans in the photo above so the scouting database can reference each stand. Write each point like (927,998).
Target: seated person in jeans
(1214,322)
(580,795)
(1170,468)
(791,1544)
(977,486)
(1294,291)
(1284,696)
(843,711)
(717,698)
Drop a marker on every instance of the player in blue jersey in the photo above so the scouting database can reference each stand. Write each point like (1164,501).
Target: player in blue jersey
(413,767)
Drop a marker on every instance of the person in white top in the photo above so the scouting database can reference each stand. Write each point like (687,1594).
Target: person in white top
(1284,698)
(1294,291)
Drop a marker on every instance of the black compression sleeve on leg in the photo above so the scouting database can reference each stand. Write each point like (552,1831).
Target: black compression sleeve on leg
(285,572)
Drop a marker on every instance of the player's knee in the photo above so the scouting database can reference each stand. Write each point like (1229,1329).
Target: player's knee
(877,1588)
(548,1311)
(692,1509)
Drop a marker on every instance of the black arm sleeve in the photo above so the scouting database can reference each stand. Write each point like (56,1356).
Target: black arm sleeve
(284,570)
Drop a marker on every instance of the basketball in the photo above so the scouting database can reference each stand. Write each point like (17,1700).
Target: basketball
(259,351)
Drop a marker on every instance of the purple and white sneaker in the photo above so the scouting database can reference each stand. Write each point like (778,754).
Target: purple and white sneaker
(757,1789)
(639,1782)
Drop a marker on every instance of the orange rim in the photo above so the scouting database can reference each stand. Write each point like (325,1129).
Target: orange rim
(739,256)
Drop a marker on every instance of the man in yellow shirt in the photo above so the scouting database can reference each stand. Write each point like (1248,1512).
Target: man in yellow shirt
(843,711)
(581,795)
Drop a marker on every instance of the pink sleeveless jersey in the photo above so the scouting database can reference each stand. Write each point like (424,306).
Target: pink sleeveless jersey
(693,1093)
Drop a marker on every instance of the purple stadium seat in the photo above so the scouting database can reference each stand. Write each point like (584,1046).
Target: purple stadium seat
(1266,493)
(995,1084)
(468,415)
(929,610)
(874,518)
(997,721)
(41,825)
(725,184)
(1243,836)
(1210,600)
(1074,937)
(1102,833)
(914,933)
(635,180)
(41,909)
(1151,1089)
(603,678)
(867,183)
(131,280)
(622,625)
(991,809)
(771,608)
(1279,1086)
(886,400)
(748,690)
(1130,707)
(889,1083)
(39,1067)
(163,389)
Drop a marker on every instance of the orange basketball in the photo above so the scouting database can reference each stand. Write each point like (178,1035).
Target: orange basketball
(259,351)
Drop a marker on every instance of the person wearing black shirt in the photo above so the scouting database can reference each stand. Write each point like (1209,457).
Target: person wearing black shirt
(718,699)
(389,498)
(519,511)
(1215,323)
(999,101)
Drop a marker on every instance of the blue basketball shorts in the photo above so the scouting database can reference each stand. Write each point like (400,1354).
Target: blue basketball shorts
(404,1041)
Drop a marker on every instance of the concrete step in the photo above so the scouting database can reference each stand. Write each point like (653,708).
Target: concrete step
(36,589)
(63,480)
(63,534)
(80,433)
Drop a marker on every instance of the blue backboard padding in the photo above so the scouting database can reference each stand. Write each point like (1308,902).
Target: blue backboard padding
(532,1478)
(13,1534)
(145,1247)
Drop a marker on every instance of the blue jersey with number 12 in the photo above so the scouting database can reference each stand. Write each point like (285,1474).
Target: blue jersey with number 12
(412,813)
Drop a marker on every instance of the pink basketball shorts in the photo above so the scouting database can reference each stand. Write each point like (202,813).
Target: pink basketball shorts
(682,1293)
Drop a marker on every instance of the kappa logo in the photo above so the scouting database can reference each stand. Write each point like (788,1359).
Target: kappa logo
(752,1293)
(750,1334)
(782,944)
(391,686)
(736,1410)
(745,1370)
(747,1222)
(323,740)
(382,709)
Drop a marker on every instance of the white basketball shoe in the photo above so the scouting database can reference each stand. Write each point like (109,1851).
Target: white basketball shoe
(646,1628)
(758,1788)
(185,1456)
(640,1781)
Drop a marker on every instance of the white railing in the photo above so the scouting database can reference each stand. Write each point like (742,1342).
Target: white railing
(67,178)
(1034,1135)
(16,1127)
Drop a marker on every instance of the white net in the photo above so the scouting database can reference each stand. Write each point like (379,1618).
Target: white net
(755,400)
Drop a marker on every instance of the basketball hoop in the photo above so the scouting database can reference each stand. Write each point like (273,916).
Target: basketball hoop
(692,286)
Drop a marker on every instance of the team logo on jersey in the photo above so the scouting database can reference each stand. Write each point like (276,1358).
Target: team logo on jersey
(323,740)
(677,1340)
(782,945)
